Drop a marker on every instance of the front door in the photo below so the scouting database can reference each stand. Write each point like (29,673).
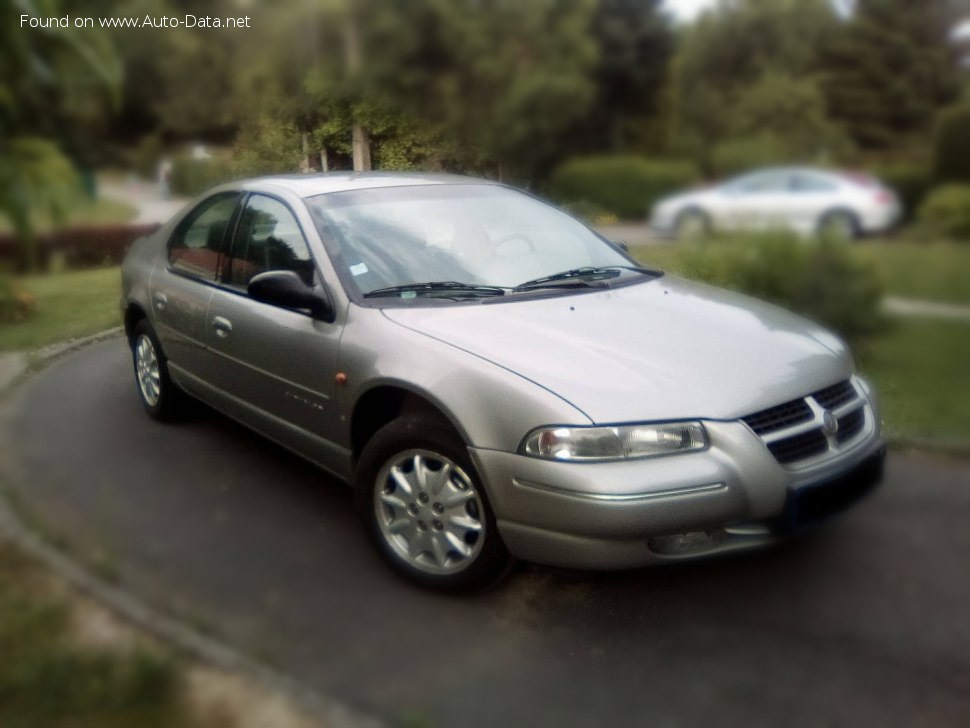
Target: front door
(281,362)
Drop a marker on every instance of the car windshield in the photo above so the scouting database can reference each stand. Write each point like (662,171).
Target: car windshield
(455,241)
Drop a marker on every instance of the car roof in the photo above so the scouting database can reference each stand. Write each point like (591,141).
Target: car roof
(310,185)
(789,169)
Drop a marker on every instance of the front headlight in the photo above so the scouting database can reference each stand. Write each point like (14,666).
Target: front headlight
(590,444)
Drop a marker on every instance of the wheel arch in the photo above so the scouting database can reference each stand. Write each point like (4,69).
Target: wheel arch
(385,402)
(134,313)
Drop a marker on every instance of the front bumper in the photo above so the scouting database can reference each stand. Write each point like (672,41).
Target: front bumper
(732,496)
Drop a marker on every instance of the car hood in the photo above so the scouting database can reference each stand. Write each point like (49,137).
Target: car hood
(661,349)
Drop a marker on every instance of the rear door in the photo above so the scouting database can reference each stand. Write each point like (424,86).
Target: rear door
(180,291)
(280,361)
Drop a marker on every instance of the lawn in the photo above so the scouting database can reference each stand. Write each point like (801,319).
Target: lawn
(931,271)
(68,305)
(920,369)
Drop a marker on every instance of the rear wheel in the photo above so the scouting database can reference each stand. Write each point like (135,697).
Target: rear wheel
(159,395)
(838,225)
(692,224)
(423,506)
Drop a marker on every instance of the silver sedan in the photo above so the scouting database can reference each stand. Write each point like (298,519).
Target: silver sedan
(493,378)
(807,201)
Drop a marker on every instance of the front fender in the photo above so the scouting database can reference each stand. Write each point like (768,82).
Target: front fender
(491,407)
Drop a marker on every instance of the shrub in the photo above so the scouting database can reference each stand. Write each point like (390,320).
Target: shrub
(625,186)
(910,181)
(16,303)
(951,150)
(820,280)
(946,212)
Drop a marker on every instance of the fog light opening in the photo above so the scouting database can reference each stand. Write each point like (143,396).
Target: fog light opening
(681,544)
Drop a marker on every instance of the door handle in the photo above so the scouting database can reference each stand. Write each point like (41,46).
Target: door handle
(161,300)
(222,326)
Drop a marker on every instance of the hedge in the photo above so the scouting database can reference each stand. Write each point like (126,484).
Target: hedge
(946,212)
(625,186)
(80,246)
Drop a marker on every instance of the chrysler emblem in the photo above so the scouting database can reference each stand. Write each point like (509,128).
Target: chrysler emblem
(830,424)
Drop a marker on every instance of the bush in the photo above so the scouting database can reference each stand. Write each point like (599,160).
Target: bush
(951,151)
(946,212)
(625,186)
(16,303)
(820,280)
(910,181)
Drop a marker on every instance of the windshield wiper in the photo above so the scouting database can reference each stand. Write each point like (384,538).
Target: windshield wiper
(453,287)
(582,276)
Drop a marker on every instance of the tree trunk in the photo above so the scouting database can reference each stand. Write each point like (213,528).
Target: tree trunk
(361,144)
(324,160)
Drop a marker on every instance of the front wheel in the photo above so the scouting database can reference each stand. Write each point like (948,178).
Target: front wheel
(423,506)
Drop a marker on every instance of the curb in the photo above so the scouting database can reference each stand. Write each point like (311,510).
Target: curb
(37,359)
(181,637)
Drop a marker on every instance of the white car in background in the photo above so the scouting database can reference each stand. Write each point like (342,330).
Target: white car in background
(809,201)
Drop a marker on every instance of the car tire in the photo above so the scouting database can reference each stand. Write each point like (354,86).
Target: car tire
(692,224)
(423,506)
(840,225)
(162,399)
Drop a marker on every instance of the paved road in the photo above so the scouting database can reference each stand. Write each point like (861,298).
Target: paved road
(865,623)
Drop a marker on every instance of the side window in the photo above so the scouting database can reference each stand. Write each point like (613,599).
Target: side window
(267,238)
(812,183)
(762,183)
(196,244)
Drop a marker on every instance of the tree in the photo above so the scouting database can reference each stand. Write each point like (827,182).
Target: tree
(503,81)
(634,42)
(54,86)
(730,76)
(889,69)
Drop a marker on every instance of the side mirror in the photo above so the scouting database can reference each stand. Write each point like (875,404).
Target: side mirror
(286,289)
(621,244)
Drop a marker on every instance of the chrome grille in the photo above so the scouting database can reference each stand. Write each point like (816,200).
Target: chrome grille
(799,447)
(836,395)
(780,417)
(796,431)
(850,425)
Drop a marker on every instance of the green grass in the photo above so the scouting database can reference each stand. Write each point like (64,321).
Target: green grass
(86,212)
(929,271)
(46,681)
(920,370)
(68,305)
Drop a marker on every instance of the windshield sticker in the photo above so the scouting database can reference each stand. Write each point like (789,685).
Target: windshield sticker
(358,269)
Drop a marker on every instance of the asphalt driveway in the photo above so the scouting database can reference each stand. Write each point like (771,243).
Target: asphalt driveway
(867,622)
